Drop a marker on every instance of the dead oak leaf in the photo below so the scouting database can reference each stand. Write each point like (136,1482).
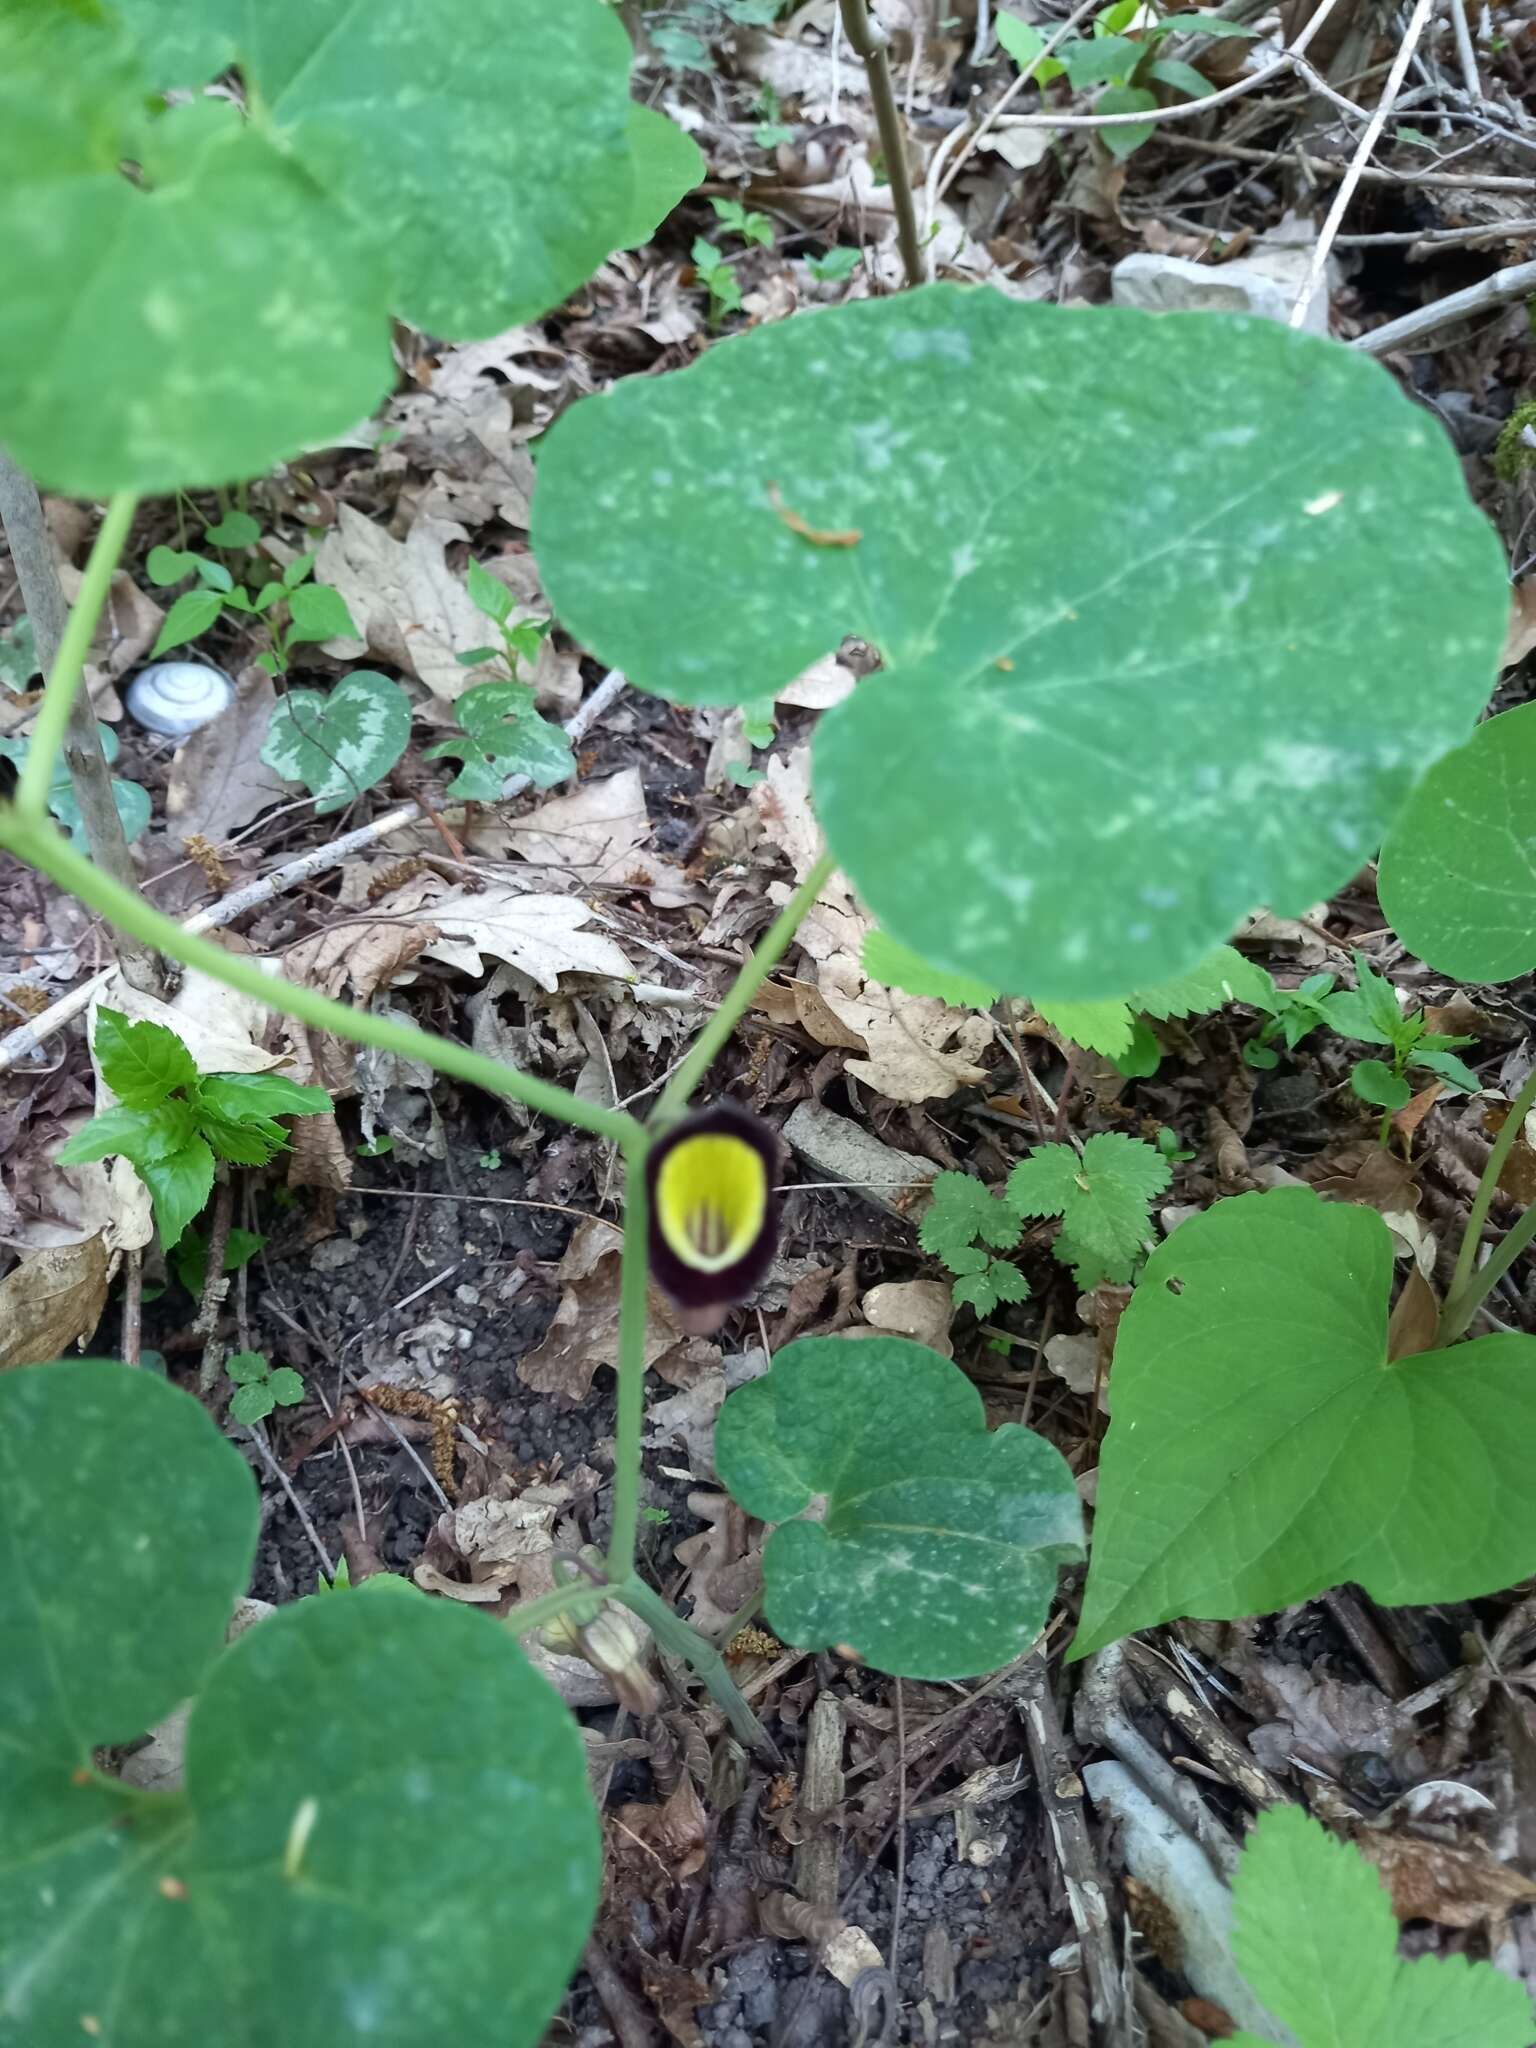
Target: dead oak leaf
(589,837)
(364,956)
(585,1332)
(51,1301)
(1433,1881)
(218,778)
(542,936)
(411,608)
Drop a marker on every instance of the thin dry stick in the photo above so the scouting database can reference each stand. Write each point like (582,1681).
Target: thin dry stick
(869,42)
(26,531)
(1418,22)
(1504,286)
(1325,167)
(1466,56)
(259,1438)
(968,140)
(29,1038)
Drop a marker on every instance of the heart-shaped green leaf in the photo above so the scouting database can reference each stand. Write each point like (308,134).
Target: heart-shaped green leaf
(1458,871)
(1113,562)
(1263,1449)
(298,1888)
(666,164)
(938,1549)
(495,164)
(339,745)
(248,319)
(504,736)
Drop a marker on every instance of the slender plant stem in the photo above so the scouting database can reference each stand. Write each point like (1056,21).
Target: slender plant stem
(869,42)
(1459,1309)
(1471,1284)
(765,956)
(579,1598)
(631,1365)
(21,514)
(44,848)
(677,1637)
(64,677)
(1466,1258)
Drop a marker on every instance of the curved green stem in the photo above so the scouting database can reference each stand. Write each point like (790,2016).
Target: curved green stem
(680,1640)
(634,1275)
(64,678)
(43,847)
(1468,1286)
(755,970)
(580,1598)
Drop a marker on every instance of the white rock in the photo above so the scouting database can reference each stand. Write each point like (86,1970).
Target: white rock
(1172,284)
(176,697)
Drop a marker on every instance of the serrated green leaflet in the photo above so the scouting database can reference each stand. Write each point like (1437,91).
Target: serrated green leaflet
(294,1891)
(339,745)
(1224,976)
(1458,871)
(140,1062)
(1262,1449)
(179,1185)
(1316,1938)
(221,312)
(1102,1196)
(504,736)
(1114,717)
(938,1553)
(894,965)
(494,164)
(238,1096)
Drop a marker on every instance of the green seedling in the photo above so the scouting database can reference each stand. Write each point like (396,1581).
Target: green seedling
(734,219)
(376,1148)
(1125,61)
(491,1161)
(771,130)
(260,1387)
(521,639)
(189,1259)
(18,657)
(131,798)
(836,267)
(964,1226)
(681,33)
(175,1125)
(717,278)
(290,607)
(1103,1196)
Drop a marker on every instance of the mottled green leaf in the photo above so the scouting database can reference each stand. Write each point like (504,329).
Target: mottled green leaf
(1458,871)
(666,164)
(938,1550)
(293,1891)
(503,736)
(1100,736)
(1262,1448)
(894,965)
(339,745)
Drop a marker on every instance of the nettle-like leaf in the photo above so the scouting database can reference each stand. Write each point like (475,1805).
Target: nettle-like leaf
(382,167)
(503,736)
(963,1210)
(293,1891)
(341,744)
(1100,737)
(179,1186)
(1102,1196)
(142,1063)
(1316,1938)
(982,1282)
(243,1097)
(1263,1449)
(1458,872)
(1224,976)
(894,965)
(937,1552)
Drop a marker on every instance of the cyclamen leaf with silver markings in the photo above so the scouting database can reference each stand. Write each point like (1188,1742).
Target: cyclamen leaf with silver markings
(339,745)
(1263,1448)
(941,1541)
(503,736)
(1098,738)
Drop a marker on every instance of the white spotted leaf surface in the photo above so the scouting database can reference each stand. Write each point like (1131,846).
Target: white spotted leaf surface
(1262,1448)
(1154,648)
(1458,871)
(340,743)
(933,1544)
(347,1761)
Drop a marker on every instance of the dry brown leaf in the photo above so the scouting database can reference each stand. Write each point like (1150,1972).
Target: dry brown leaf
(319,1157)
(365,956)
(51,1301)
(542,936)
(221,1028)
(1521,638)
(218,778)
(500,1543)
(782,801)
(823,684)
(411,608)
(660,1845)
(726,1564)
(816,1016)
(920,1309)
(585,1332)
(588,838)
(1453,1887)
(1406,1120)
(1414,1320)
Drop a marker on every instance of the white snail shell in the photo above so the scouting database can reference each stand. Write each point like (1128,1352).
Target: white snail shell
(176,697)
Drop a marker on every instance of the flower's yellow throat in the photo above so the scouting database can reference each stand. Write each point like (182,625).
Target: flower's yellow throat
(711,1199)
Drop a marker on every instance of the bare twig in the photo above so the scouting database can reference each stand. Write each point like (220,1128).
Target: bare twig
(28,1038)
(215,1286)
(259,1439)
(1466,56)
(21,514)
(869,42)
(1325,167)
(968,141)
(133,1308)
(1317,268)
(1499,289)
